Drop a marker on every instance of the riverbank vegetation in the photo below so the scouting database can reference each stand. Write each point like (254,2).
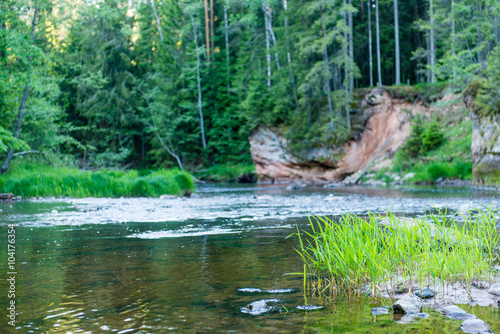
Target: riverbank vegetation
(35,179)
(163,84)
(354,252)
(438,147)
(222,173)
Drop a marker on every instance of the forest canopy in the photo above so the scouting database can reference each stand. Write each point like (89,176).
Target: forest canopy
(172,83)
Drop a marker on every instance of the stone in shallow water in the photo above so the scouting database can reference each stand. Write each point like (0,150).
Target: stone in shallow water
(495,289)
(275,291)
(407,305)
(249,290)
(475,326)
(260,306)
(379,310)
(456,313)
(408,318)
(425,293)
(308,307)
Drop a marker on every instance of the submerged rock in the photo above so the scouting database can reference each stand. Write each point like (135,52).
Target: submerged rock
(296,186)
(250,290)
(456,313)
(379,310)
(475,326)
(308,307)
(407,305)
(425,293)
(278,291)
(271,291)
(408,318)
(495,289)
(260,306)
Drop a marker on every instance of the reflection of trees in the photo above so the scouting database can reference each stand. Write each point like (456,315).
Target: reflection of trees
(91,280)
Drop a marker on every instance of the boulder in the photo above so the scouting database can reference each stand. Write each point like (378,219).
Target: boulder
(475,326)
(407,305)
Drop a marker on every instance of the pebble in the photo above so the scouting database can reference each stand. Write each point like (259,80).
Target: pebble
(425,293)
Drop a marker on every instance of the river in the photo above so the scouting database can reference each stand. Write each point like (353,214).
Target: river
(145,265)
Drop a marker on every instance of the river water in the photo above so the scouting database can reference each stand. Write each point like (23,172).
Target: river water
(188,265)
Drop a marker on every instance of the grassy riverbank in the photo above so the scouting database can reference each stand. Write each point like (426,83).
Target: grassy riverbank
(355,252)
(30,179)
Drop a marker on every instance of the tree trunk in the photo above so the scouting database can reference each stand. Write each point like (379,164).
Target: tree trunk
(268,46)
(20,113)
(377,25)
(207,30)
(453,39)
(327,69)
(212,26)
(497,33)
(289,57)
(226,33)
(269,27)
(432,42)
(351,50)
(346,73)
(157,20)
(198,77)
(370,42)
(396,37)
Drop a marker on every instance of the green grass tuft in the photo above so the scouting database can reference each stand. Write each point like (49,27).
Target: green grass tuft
(33,180)
(355,252)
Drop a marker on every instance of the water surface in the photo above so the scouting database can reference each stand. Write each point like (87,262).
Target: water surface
(181,265)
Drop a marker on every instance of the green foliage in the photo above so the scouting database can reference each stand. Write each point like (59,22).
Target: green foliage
(437,149)
(432,137)
(354,252)
(484,89)
(31,179)
(225,173)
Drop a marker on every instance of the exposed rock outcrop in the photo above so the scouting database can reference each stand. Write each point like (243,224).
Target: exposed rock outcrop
(485,143)
(275,163)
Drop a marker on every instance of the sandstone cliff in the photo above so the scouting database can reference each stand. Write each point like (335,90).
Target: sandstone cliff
(275,163)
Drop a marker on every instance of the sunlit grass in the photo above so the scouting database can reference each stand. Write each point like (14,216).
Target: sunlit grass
(28,180)
(355,252)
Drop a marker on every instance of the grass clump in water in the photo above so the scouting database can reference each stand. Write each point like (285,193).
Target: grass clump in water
(385,251)
(29,179)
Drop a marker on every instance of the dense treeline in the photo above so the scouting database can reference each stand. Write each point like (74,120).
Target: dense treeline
(182,83)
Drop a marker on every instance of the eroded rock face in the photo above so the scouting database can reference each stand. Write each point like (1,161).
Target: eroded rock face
(274,163)
(486,149)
